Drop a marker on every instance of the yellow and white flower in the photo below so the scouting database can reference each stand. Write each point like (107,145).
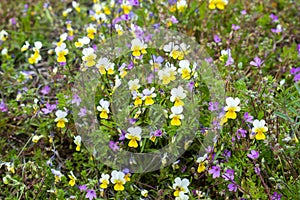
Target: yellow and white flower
(259,129)
(117,178)
(72,179)
(201,161)
(176,115)
(148,95)
(91,30)
(137,97)
(3,35)
(182,196)
(61,52)
(25,47)
(10,167)
(76,6)
(134,85)
(66,12)
(144,193)
(89,57)
(177,94)
(181,186)
(61,118)
(103,108)
(126,7)
(77,141)
(36,138)
(82,41)
(232,107)
(138,47)
(57,175)
(220,4)
(184,69)
(36,57)
(104,180)
(119,29)
(134,136)
(174,51)
(181,5)
(105,66)
(63,37)
(167,74)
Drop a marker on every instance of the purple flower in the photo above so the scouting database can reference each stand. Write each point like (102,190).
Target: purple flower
(235,27)
(76,99)
(274,18)
(158,133)
(257,62)
(253,155)
(217,39)
(49,108)
(13,21)
(208,60)
(229,61)
(114,146)
(298,48)
(213,106)
(296,72)
(94,47)
(232,187)
(157,59)
(150,78)
(227,154)
(3,106)
(174,20)
(45,90)
(126,171)
(241,133)
(278,29)
(215,171)
(276,196)
(82,188)
(62,63)
(243,12)
(257,170)
(91,194)
(229,175)
(191,86)
(122,135)
(209,149)
(82,112)
(132,120)
(133,2)
(248,118)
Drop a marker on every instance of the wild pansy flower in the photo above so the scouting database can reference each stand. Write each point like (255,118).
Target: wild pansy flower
(91,194)
(153,135)
(181,5)
(126,7)
(253,154)
(215,171)
(117,178)
(127,174)
(25,47)
(167,74)
(220,4)
(180,186)
(201,161)
(144,193)
(134,85)
(66,12)
(184,69)
(176,115)
(57,175)
(82,41)
(3,106)
(89,56)
(103,108)
(277,30)
(257,62)
(134,136)
(49,108)
(77,141)
(119,29)
(61,118)
(63,37)
(137,97)
(182,196)
(177,94)
(36,138)
(91,32)
(226,55)
(105,66)
(174,51)
(296,72)
(156,62)
(259,129)
(76,6)
(72,179)
(232,107)
(232,187)
(138,47)
(248,117)
(3,35)
(148,95)
(36,57)
(61,51)
(104,180)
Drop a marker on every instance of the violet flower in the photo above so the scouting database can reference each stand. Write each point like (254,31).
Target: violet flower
(276,196)
(296,72)
(228,175)
(257,62)
(248,117)
(82,188)
(274,18)
(49,108)
(235,27)
(45,90)
(91,194)
(215,171)
(232,187)
(82,112)
(76,99)
(253,155)
(213,106)
(217,39)
(114,146)
(3,107)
